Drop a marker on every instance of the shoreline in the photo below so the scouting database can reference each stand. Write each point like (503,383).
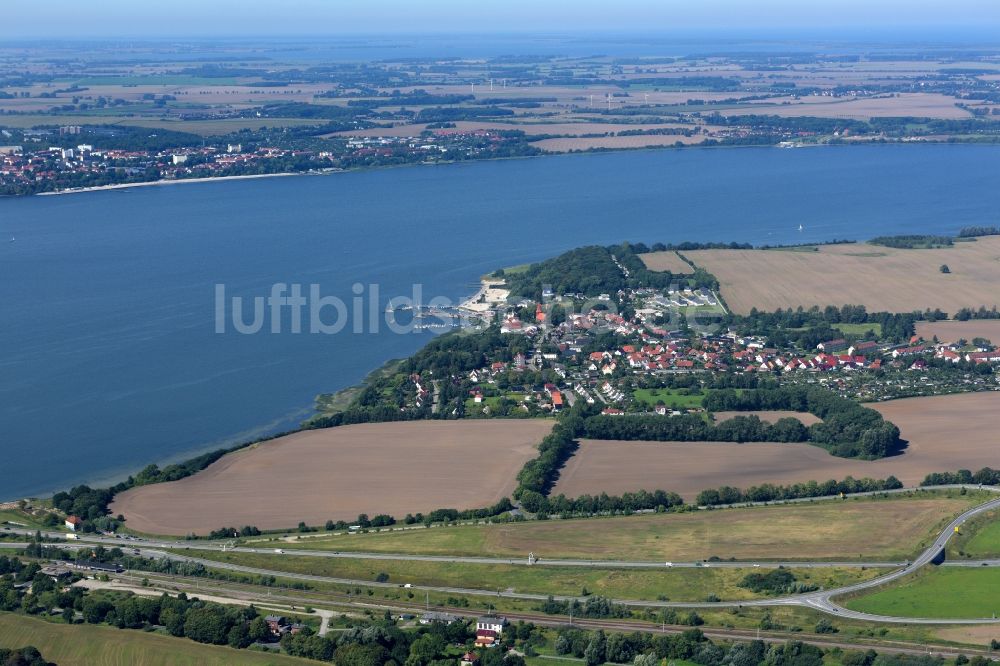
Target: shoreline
(568,153)
(171,181)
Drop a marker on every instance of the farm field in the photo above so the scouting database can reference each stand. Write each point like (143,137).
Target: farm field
(566,144)
(952,331)
(909,279)
(644,584)
(665,261)
(199,127)
(568,126)
(339,473)
(952,592)
(870,528)
(91,645)
(927,105)
(770,416)
(945,433)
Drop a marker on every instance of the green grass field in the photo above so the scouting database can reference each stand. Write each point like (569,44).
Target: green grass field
(649,584)
(979,538)
(895,527)
(859,329)
(941,592)
(90,645)
(16,518)
(682,398)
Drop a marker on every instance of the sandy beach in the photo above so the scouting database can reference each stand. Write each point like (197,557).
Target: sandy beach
(491,292)
(177,181)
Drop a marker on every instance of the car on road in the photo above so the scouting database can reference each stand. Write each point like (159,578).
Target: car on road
(669,564)
(279,551)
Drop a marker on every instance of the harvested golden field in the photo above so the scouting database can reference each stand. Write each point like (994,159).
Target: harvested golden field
(338,473)
(529,128)
(770,416)
(564,145)
(871,528)
(945,433)
(925,105)
(666,261)
(906,280)
(952,331)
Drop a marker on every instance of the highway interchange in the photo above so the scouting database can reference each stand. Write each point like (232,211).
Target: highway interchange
(822,600)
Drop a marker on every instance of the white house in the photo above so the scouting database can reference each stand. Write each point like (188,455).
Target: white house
(491,623)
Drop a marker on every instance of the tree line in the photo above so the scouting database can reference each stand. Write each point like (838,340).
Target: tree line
(815,325)
(847,429)
(769,492)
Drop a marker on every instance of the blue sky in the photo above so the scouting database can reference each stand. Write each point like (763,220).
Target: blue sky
(159,18)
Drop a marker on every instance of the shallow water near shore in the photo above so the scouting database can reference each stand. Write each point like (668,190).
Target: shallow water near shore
(109,359)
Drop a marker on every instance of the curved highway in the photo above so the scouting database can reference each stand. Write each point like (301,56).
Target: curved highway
(822,600)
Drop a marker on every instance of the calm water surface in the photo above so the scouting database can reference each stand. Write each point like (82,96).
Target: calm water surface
(109,358)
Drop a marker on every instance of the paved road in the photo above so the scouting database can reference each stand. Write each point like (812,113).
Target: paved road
(297,599)
(820,600)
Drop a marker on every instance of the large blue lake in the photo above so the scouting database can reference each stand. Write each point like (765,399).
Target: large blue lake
(109,358)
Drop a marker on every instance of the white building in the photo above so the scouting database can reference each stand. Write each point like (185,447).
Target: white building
(491,623)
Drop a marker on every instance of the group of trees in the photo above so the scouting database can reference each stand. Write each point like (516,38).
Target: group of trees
(540,473)
(586,270)
(965,314)
(809,327)
(986,476)
(770,492)
(201,621)
(643,649)
(26,656)
(847,429)
(775,581)
(589,505)
(694,428)
(593,270)
(975,231)
(692,646)
(912,241)
(592,607)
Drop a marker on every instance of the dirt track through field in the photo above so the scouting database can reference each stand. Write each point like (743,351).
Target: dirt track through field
(338,473)
(945,433)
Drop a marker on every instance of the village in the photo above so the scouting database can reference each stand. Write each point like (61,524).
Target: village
(658,359)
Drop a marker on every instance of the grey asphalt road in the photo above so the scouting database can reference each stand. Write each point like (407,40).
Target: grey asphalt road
(822,600)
